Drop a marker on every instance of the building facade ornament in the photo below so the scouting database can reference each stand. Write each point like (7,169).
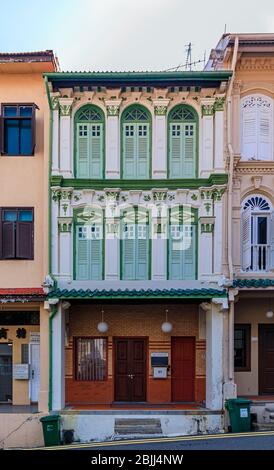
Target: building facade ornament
(113,107)
(65,105)
(65,224)
(219,103)
(160,106)
(208,109)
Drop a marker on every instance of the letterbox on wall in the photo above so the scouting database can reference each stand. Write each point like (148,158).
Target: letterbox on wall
(159,359)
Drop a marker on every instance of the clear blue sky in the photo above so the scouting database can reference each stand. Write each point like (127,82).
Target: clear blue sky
(126,34)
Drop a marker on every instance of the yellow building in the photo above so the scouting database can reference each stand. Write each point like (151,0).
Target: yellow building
(24,227)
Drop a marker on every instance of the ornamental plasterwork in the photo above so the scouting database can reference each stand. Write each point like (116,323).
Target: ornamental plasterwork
(65,105)
(65,224)
(219,103)
(254,171)
(215,193)
(255,63)
(59,194)
(113,107)
(207,227)
(160,106)
(54,100)
(207,109)
(159,194)
(256,102)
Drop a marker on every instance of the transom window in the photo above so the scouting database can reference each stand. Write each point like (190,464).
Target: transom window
(89,129)
(257,127)
(18,129)
(257,234)
(182,142)
(135,142)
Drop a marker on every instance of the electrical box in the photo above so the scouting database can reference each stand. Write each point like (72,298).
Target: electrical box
(160,372)
(21,371)
(159,359)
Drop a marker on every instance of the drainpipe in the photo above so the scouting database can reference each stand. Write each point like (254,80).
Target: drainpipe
(229,212)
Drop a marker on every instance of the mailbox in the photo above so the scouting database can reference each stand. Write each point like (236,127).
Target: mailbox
(159,359)
(21,371)
(160,372)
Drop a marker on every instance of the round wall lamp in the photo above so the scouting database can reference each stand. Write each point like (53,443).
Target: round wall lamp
(269,314)
(102,326)
(167,326)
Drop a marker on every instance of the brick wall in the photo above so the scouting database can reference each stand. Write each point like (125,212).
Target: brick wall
(133,320)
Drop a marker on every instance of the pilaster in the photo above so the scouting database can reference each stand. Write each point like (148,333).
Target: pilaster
(206,160)
(66,167)
(112,138)
(159,156)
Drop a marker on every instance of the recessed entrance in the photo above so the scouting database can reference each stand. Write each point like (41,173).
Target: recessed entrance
(183,369)
(130,369)
(266,359)
(5,372)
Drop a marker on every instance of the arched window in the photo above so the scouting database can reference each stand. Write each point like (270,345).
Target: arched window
(136,128)
(182,145)
(256,128)
(89,142)
(257,234)
(89,238)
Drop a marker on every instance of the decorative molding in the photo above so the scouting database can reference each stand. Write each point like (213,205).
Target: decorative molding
(255,63)
(159,194)
(160,106)
(54,101)
(219,103)
(65,105)
(65,224)
(112,195)
(113,107)
(56,193)
(206,306)
(222,303)
(257,181)
(208,109)
(207,224)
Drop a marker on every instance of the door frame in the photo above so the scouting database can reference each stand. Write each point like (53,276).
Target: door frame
(11,346)
(146,343)
(194,383)
(261,327)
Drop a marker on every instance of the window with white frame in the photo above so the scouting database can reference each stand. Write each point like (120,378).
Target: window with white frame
(257,127)
(257,234)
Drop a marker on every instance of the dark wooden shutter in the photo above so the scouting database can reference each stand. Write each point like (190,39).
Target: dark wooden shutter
(24,240)
(8,240)
(33,128)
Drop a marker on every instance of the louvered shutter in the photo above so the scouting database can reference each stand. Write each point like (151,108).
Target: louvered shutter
(83,150)
(142,251)
(83,253)
(96,246)
(33,129)
(175,252)
(249,133)
(175,150)
(128,251)
(264,133)
(189,250)
(129,150)
(96,151)
(24,240)
(142,146)
(189,151)
(8,240)
(246,238)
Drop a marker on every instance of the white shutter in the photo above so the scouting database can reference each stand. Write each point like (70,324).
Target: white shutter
(264,133)
(249,133)
(246,238)
(271,240)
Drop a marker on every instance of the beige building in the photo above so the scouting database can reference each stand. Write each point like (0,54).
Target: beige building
(249,253)
(24,118)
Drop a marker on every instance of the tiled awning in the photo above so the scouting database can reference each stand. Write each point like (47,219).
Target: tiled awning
(253,283)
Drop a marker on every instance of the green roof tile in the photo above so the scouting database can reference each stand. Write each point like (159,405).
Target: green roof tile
(134,293)
(257,283)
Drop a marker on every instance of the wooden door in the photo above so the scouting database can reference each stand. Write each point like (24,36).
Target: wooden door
(5,372)
(266,359)
(183,369)
(130,369)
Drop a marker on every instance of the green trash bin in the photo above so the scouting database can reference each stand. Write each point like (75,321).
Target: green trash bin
(51,430)
(239,414)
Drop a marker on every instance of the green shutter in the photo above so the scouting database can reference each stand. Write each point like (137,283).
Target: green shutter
(142,145)
(189,237)
(182,247)
(142,251)
(82,253)
(96,256)
(96,151)
(175,150)
(189,151)
(129,150)
(82,151)
(128,251)
(175,253)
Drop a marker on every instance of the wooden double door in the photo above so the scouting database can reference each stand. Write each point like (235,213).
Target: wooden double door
(266,359)
(130,369)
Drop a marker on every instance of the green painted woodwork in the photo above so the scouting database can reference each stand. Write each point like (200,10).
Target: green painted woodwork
(182,243)
(88,245)
(138,294)
(182,142)
(147,184)
(135,245)
(136,142)
(89,142)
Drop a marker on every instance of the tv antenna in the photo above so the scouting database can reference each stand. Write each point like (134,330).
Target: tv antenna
(188,64)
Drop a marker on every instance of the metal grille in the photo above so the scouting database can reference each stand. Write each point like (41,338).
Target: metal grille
(91,358)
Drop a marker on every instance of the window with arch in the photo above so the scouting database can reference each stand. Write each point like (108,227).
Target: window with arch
(89,238)
(136,128)
(89,142)
(182,151)
(257,127)
(257,234)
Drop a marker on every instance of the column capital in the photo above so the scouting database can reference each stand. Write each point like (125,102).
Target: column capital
(206,306)
(54,100)
(219,103)
(207,224)
(113,107)
(160,106)
(207,106)
(221,302)
(65,105)
(65,224)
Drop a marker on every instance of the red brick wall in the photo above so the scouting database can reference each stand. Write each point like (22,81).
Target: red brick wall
(133,320)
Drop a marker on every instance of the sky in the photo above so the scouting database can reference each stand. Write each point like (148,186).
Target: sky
(127,34)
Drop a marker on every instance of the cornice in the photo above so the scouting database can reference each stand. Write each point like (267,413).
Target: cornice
(255,168)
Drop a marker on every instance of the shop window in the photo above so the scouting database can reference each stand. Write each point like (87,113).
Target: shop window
(18,129)
(90,359)
(242,353)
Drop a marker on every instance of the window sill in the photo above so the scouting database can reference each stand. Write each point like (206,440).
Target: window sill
(24,155)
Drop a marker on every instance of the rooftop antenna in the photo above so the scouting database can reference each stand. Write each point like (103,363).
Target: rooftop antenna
(188,64)
(225,29)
